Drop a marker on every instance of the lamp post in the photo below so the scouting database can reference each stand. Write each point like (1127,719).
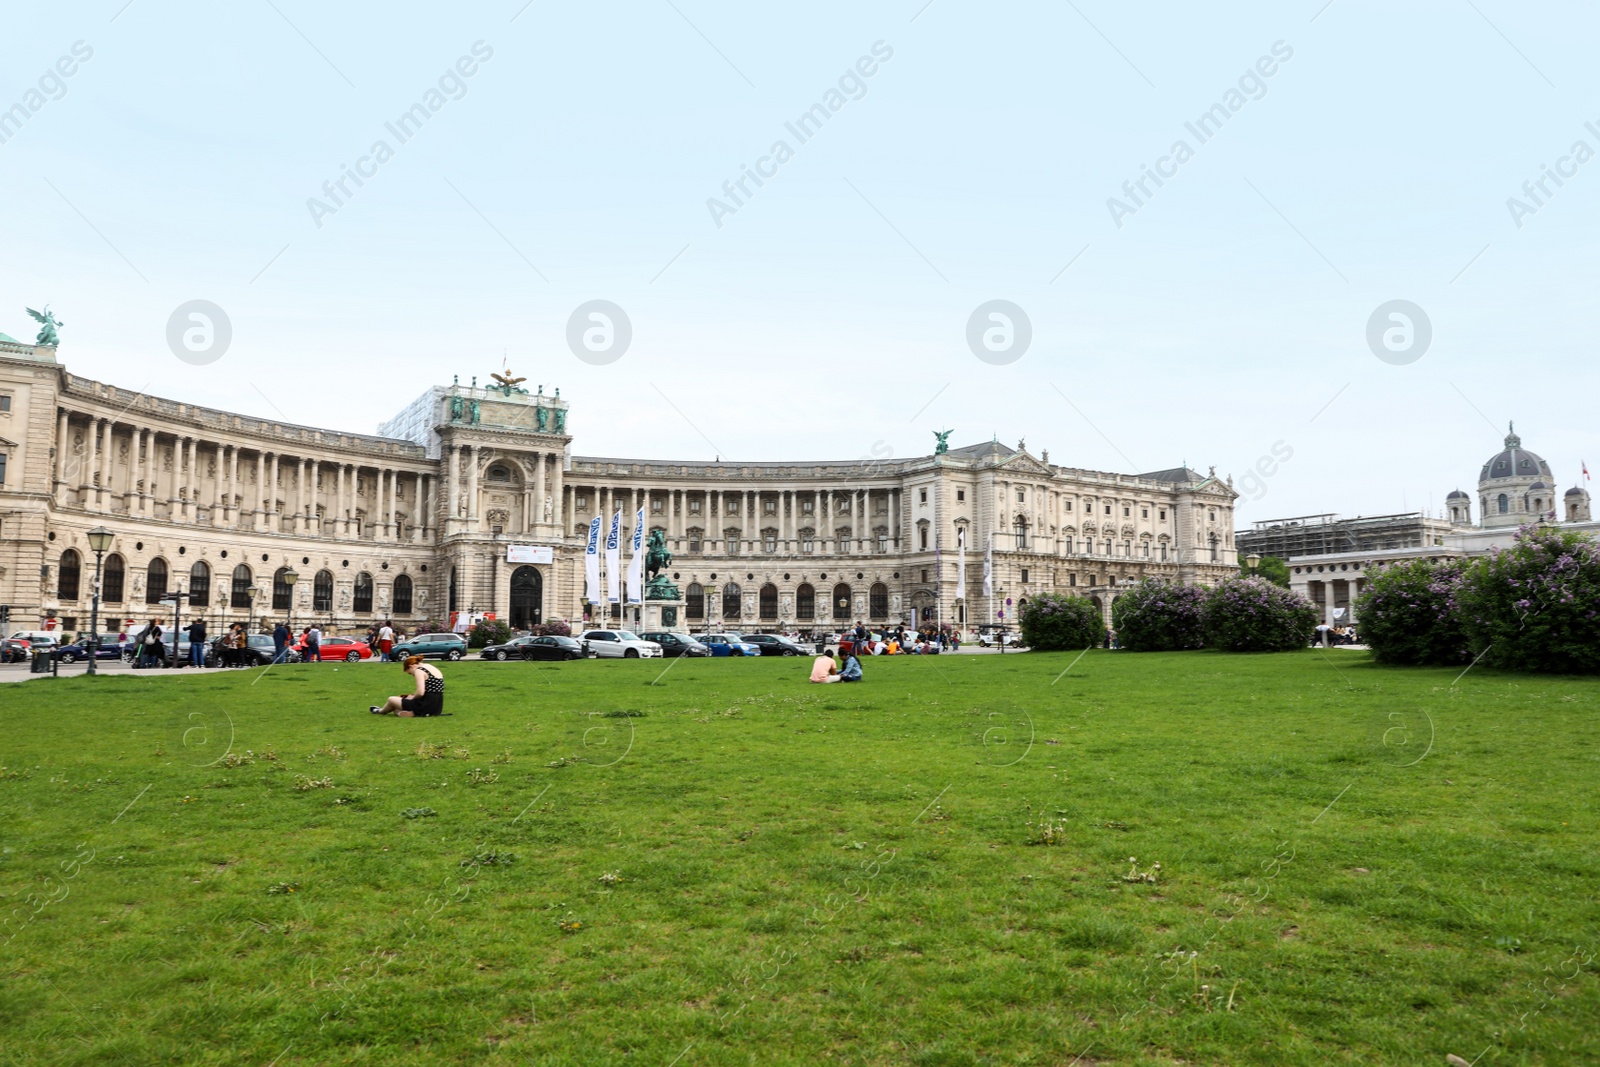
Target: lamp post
(100,540)
(1253,560)
(289,578)
(250,595)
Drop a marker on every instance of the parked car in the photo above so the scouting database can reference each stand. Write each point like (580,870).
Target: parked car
(619,644)
(18,648)
(849,646)
(79,649)
(774,645)
(349,649)
(992,638)
(258,651)
(729,645)
(432,646)
(544,648)
(673,645)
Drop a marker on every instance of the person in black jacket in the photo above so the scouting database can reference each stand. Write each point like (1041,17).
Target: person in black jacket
(197,643)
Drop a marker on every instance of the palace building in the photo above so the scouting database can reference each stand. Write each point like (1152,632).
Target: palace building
(417,522)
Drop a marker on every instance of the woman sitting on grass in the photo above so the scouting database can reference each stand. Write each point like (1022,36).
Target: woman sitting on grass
(427,700)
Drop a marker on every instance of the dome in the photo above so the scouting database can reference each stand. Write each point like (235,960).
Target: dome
(1456,494)
(1538,485)
(1515,462)
(1576,491)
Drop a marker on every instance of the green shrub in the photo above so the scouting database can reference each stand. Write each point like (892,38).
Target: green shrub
(1536,605)
(1051,622)
(1156,616)
(1407,614)
(489,633)
(552,628)
(1254,615)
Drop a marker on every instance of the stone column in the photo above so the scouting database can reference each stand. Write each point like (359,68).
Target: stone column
(61,454)
(91,469)
(233,483)
(391,509)
(273,514)
(341,526)
(538,489)
(425,506)
(148,502)
(558,499)
(472,484)
(260,508)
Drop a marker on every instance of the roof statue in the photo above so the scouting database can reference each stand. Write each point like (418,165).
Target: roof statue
(47,329)
(506,380)
(943,437)
(1022,444)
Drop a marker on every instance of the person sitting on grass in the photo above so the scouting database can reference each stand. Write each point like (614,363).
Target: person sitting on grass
(824,669)
(428,698)
(852,670)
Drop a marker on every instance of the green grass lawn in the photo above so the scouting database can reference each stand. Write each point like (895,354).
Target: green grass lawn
(588,864)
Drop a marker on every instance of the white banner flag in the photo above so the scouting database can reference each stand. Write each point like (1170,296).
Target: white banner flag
(591,564)
(636,562)
(614,560)
(988,567)
(961,563)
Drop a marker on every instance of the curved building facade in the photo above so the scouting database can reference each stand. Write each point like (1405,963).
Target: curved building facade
(472,501)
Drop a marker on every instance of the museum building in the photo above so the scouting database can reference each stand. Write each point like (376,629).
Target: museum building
(252,518)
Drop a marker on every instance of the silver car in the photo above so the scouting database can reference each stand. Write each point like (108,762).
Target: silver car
(619,644)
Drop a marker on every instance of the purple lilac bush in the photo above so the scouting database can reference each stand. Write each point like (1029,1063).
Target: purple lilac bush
(1534,606)
(1408,614)
(1254,615)
(1157,616)
(1052,622)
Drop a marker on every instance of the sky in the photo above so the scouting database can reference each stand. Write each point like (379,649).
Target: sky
(957,154)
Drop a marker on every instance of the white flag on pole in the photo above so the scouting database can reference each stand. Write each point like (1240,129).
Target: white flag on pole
(636,562)
(961,563)
(591,564)
(988,567)
(614,560)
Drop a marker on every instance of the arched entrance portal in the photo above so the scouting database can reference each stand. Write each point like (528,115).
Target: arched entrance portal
(527,598)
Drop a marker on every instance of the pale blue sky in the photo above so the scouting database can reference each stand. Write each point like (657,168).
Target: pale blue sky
(826,318)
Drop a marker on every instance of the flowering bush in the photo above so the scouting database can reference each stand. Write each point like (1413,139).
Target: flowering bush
(1254,615)
(1408,614)
(489,633)
(1052,622)
(552,628)
(1536,605)
(1157,616)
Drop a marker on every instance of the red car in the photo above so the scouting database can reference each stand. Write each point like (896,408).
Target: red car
(349,649)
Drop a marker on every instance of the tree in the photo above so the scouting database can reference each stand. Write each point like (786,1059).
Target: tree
(1156,616)
(489,633)
(1536,605)
(1051,622)
(1408,614)
(1271,568)
(1254,615)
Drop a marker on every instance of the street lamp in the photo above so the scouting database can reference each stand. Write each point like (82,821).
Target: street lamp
(250,595)
(100,540)
(289,578)
(1253,560)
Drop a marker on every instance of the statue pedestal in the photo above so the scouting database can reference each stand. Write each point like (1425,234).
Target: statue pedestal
(663,615)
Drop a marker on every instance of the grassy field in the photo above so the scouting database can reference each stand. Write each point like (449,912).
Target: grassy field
(955,862)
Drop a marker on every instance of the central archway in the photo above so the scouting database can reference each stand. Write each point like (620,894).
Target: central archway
(527,598)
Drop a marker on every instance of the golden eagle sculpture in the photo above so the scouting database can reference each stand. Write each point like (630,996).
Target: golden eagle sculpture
(506,381)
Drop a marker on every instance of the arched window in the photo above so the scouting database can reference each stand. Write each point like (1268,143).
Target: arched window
(363,594)
(111,587)
(769,601)
(240,594)
(805,602)
(730,601)
(694,601)
(155,581)
(282,591)
(1505,504)
(497,473)
(402,594)
(200,585)
(322,592)
(67,575)
(878,601)
(841,601)
(453,598)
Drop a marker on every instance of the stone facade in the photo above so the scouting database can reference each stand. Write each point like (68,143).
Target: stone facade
(416,527)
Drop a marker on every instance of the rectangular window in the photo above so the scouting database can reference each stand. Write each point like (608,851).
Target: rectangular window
(1163,514)
(1066,506)
(5,402)
(581,502)
(1125,513)
(922,537)
(807,506)
(1067,545)
(961,494)
(1024,576)
(924,574)
(883,542)
(922,496)
(769,541)
(1144,513)
(656,505)
(694,507)
(2,468)
(1022,496)
(1163,553)
(1072,579)
(769,507)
